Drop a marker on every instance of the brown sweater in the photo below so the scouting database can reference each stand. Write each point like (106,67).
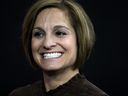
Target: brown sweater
(77,86)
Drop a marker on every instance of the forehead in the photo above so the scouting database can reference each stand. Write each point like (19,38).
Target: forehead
(52,16)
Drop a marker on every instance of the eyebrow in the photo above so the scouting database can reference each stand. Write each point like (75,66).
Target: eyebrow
(39,28)
(55,28)
(60,26)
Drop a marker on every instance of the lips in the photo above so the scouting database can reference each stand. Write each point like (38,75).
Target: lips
(51,55)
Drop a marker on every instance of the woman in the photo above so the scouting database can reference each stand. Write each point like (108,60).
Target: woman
(57,38)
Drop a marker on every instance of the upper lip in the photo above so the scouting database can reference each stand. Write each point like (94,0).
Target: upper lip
(50,52)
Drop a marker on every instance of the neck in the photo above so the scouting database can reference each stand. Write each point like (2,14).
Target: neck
(53,80)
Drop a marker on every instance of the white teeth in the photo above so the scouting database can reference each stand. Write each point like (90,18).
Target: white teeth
(51,55)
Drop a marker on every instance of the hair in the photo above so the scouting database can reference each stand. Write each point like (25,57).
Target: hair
(79,20)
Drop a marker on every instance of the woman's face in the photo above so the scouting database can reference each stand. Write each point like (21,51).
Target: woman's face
(53,43)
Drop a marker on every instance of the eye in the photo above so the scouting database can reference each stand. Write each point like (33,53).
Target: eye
(60,33)
(38,34)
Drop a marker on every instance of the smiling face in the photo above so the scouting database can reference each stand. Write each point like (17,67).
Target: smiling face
(53,40)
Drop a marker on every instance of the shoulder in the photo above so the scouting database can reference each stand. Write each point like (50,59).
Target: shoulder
(86,88)
(28,90)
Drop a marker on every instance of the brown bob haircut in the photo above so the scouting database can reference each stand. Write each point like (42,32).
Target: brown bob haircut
(79,20)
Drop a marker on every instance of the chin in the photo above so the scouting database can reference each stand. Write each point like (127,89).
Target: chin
(50,68)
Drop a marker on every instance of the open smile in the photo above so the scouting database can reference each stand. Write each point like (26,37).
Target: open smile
(51,55)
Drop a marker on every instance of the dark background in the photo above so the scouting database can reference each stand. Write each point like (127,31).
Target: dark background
(107,66)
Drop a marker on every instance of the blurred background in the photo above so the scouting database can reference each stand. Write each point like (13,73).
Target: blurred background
(107,66)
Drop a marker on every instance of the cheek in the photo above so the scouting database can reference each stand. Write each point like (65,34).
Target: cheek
(71,51)
(70,44)
(73,47)
(34,45)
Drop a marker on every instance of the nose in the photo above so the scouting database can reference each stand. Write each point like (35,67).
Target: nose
(48,43)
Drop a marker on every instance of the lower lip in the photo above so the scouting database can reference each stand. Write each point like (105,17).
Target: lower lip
(52,60)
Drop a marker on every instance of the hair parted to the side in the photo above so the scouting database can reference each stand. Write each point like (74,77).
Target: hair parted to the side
(79,20)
